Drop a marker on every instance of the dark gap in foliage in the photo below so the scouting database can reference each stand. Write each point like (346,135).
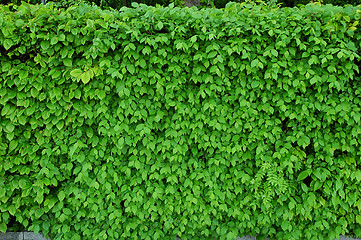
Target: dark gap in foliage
(163,30)
(122,204)
(2,51)
(309,150)
(318,113)
(12,48)
(16,55)
(14,225)
(357,74)
(339,152)
(164,181)
(23,57)
(307,181)
(285,127)
(165,67)
(200,158)
(293,3)
(53,188)
(155,32)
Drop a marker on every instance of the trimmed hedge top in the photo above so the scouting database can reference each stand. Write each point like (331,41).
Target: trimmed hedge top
(153,123)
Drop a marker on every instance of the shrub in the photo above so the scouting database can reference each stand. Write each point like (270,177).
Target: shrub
(162,122)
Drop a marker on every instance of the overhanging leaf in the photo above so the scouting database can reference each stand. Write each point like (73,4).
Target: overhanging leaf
(76,73)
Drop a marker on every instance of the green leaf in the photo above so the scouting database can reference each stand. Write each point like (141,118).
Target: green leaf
(76,73)
(255,84)
(254,63)
(61,195)
(39,212)
(212,54)
(9,127)
(86,76)
(303,175)
(22,183)
(142,63)
(96,185)
(340,54)
(137,164)
(76,236)
(358,219)
(105,62)
(6,66)
(23,74)
(34,92)
(196,15)
(358,175)
(108,186)
(97,71)
(147,130)
(54,40)
(2,192)
(179,45)
(274,52)
(12,210)
(73,149)
(317,185)
(3,227)
(315,79)
(338,184)
(19,23)
(5,110)
(139,127)
(45,45)
(22,119)
(285,225)
(131,68)
(13,144)
(89,132)
(68,62)
(231,236)
(36,229)
(77,94)
(126,92)
(160,25)
(60,125)
(121,141)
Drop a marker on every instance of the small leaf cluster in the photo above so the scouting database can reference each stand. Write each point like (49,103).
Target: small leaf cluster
(158,123)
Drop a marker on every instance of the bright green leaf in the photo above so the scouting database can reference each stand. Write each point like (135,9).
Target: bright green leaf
(61,195)
(3,227)
(76,73)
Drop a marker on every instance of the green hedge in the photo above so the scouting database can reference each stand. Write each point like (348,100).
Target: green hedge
(292,3)
(104,4)
(153,123)
(116,4)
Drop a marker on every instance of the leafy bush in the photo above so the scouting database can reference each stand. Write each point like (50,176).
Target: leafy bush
(162,122)
(104,4)
(116,4)
(292,3)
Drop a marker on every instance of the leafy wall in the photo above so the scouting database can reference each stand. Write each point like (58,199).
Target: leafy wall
(152,123)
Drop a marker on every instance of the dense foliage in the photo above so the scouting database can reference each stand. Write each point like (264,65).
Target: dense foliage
(162,122)
(104,4)
(116,4)
(292,3)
